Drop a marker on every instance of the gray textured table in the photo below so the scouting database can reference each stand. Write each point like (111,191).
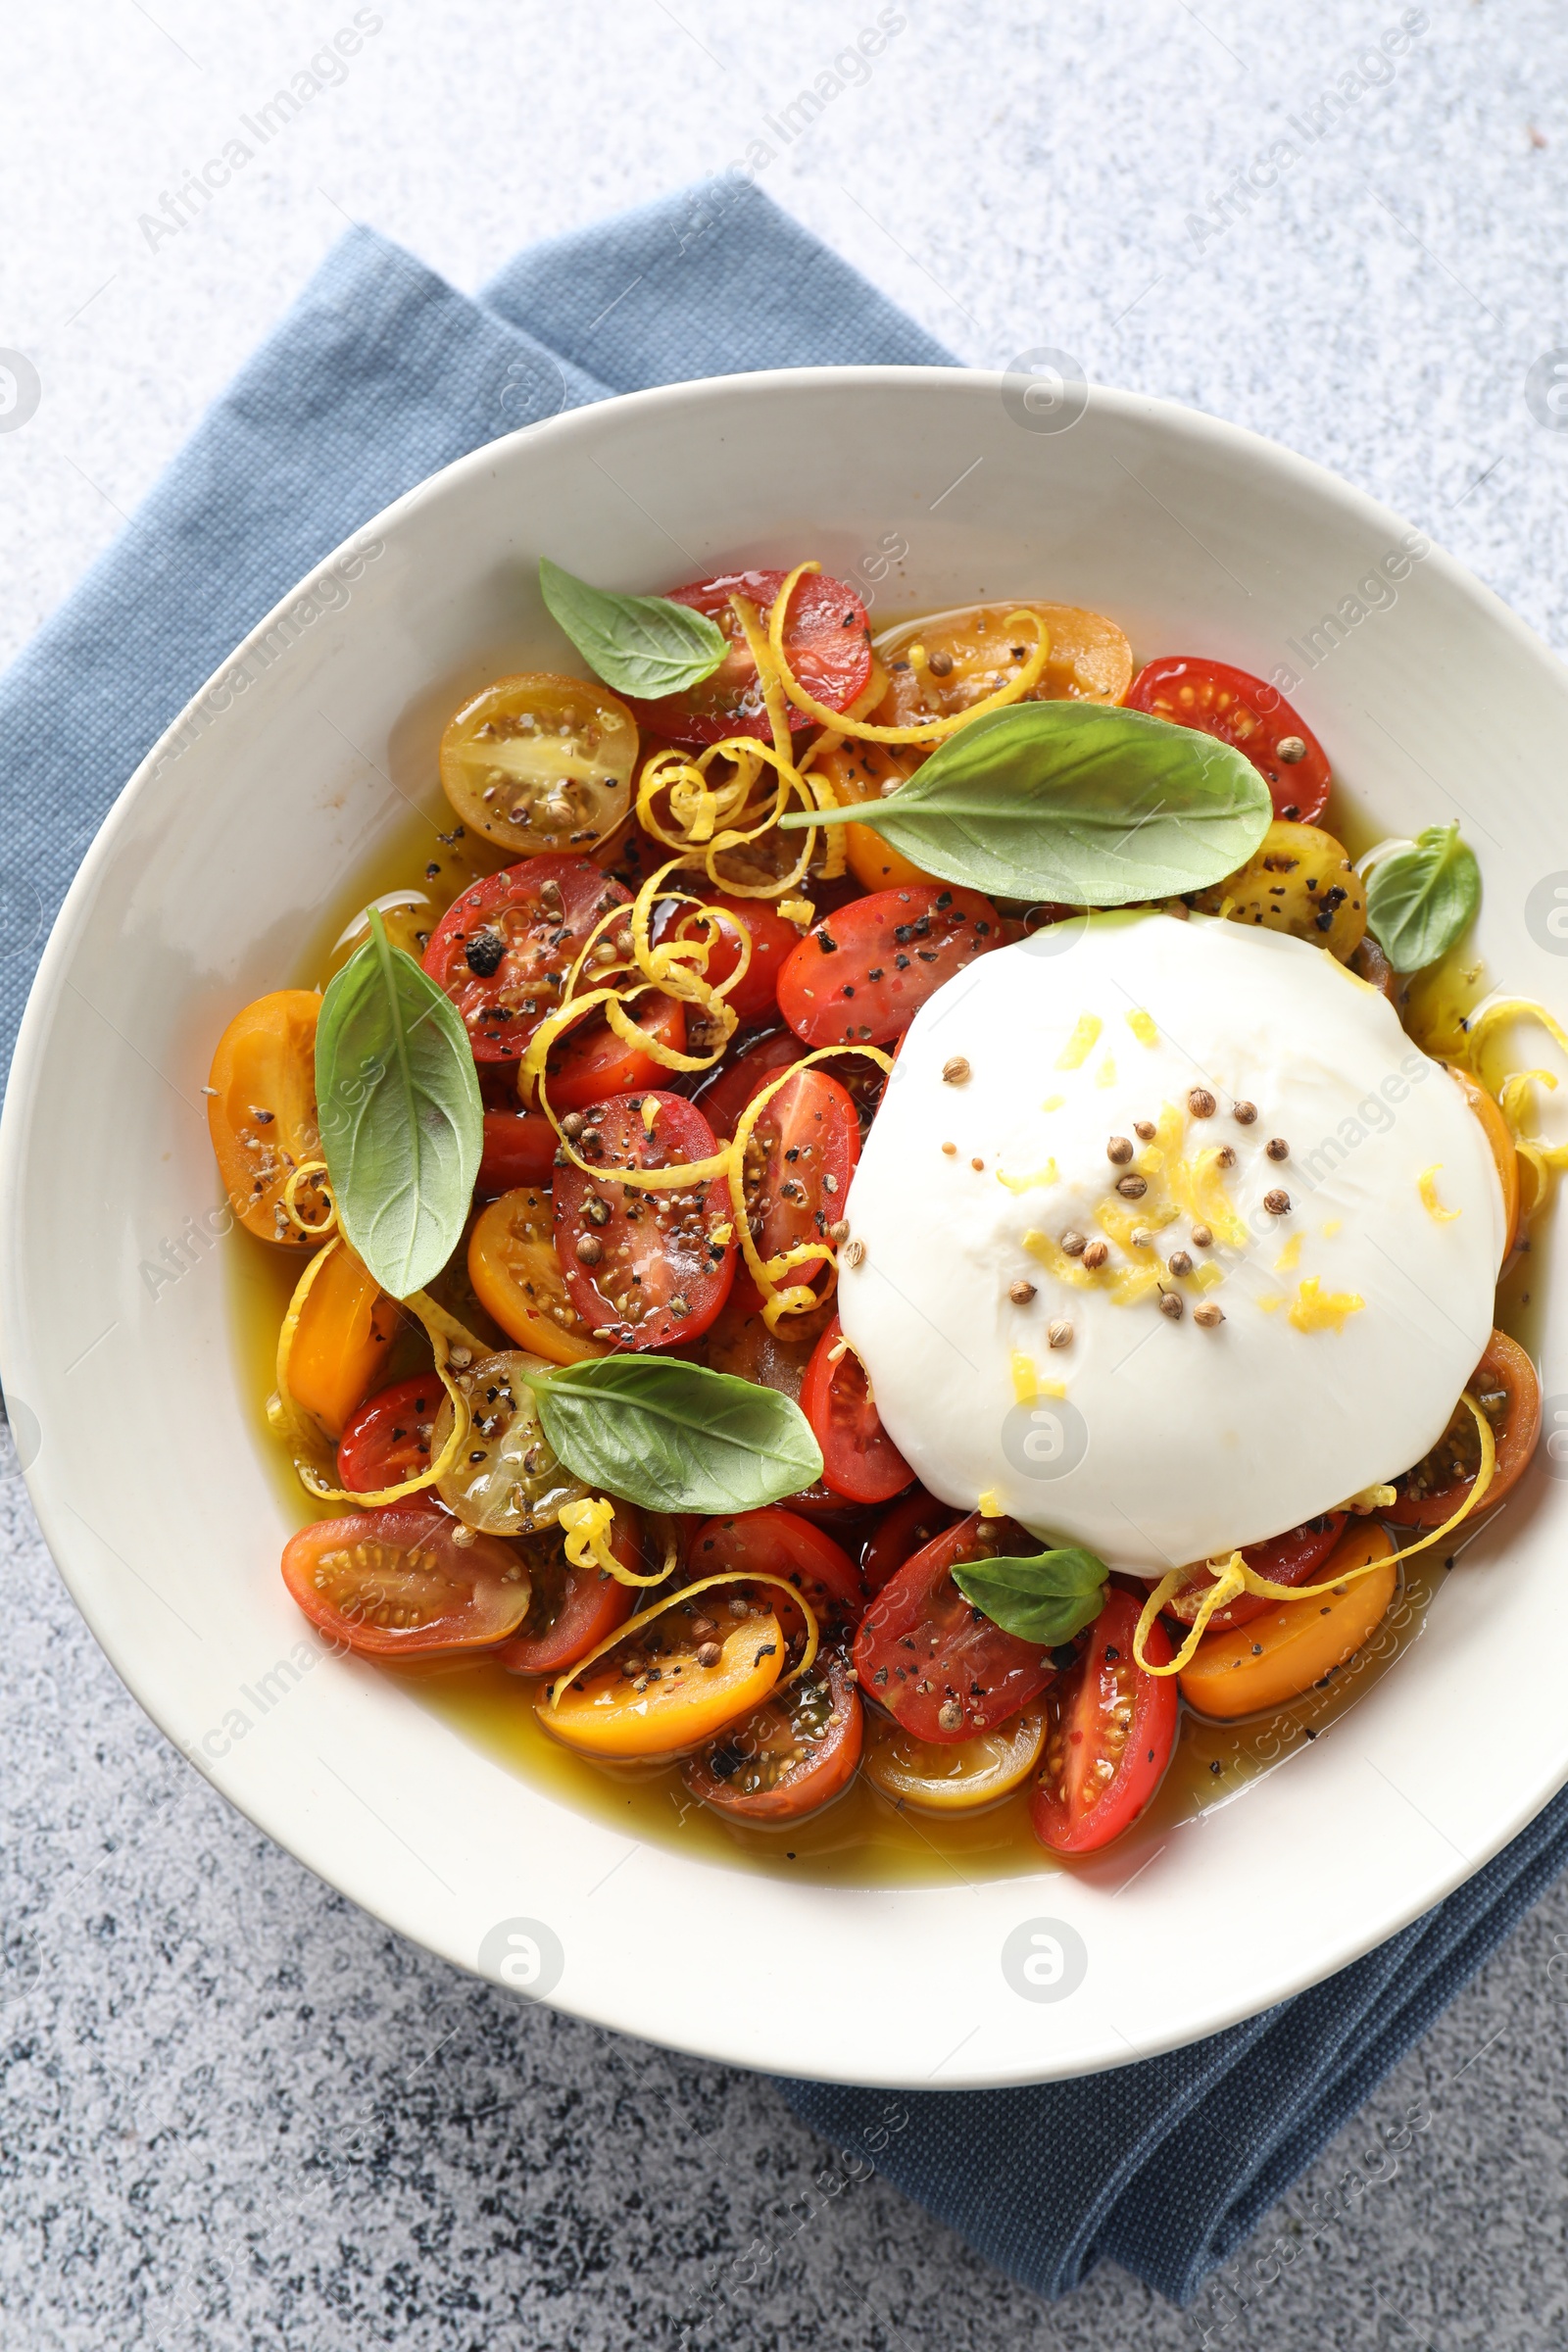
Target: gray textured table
(234,2112)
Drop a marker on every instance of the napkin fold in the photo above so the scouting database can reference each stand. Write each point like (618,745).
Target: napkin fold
(378,375)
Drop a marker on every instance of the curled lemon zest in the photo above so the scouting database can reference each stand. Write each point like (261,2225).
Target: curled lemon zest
(1427,1187)
(1236,1578)
(586,1525)
(314,1173)
(733,1575)
(932,730)
(299,1430)
(800,1298)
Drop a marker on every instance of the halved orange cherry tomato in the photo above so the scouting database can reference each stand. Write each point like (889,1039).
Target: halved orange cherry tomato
(1288,1559)
(504,949)
(520,1147)
(1504,1386)
(779,1543)
(860,1460)
(652,1696)
(773,941)
(958,1776)
(570,1610)
(395,1583)
(387,1442)
(800,1156)
(1251,716)
(516,1273)
(908,1526)
(644,1268)
(591,1062)
(343,1337)
(826,639)
(866,771)
(968,654)
(790,1757)
(1499,1141)
(862,974)
(1109,1731)
(540,762)
(261,1109)
(933,1660)
(742,1074)
(1297,1643)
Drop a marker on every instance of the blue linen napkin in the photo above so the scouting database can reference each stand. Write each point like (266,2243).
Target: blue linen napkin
(378,375)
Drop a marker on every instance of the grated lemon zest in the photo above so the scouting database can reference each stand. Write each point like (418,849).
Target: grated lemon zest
(1331,1226)
(1075,1053)
(1270,1301)
(1370,1498)
(1143,1026)
(1052,1102)
(1317,1309)
(1427,1187)
(1027,1184)
(1290,1258)
(1025,1378)
(1106,1075)
(991,1505)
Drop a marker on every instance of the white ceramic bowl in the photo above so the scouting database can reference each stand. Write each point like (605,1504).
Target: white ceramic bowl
(283,778)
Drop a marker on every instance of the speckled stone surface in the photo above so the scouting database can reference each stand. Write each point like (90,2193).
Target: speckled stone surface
(234,2112)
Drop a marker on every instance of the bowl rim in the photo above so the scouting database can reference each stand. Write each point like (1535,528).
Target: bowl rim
(304,1840)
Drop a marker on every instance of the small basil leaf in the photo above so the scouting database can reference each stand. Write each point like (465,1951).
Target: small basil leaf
(1083,802)
(675,1437)
(1422,900)
(641,645)
(402,1123)
(1046,1599)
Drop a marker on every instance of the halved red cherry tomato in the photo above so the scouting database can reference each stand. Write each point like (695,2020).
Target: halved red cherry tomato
(1504,1386)
(860,1460)
(792,1757)
(801,1156)
(743,1074)
(571,1609)
(826,639)
(1109,1731)
(591,1062)
(778,1542)
(773,941)
(938,1664)
(913,1521)
(862,974)
(395,1583)
(1287,1559)
(520,1147)
(1248,713)
(388,1439)
(643,1268)
(504,949)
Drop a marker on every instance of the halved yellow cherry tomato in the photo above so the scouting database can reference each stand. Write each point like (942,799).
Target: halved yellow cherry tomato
(1499,1141)
(1298,880)
(1278,1656)
(341,1343)
(507,1481)
(517,1277)
(261,1109)
(954,1777)
(540,762)
(966,654)
(671,1702)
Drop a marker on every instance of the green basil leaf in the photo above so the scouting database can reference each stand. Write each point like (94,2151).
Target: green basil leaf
(402,1123)
(1084,803)
(1047,1599)
(642,644)
(676,1437)
(1422,900)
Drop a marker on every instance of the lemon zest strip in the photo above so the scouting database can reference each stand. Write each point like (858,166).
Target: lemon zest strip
(733,1575)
